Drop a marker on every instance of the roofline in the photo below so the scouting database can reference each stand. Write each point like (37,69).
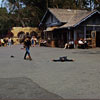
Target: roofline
(86,18)
(54,15)
(48,10)
(43,17)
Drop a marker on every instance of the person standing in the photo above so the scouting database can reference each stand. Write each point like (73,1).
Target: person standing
(35,40)
(27,45)
(9,42)
(32,41)
(2,42)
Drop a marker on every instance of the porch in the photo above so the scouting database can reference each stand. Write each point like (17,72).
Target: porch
(57,37)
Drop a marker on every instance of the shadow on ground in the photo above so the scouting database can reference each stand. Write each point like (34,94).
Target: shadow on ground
(23,88)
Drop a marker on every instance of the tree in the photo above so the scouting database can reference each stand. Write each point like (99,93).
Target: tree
(5,22)
(97,4)
(28,12)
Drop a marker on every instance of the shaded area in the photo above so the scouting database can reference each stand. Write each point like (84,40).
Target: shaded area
(87,52)
(23,88)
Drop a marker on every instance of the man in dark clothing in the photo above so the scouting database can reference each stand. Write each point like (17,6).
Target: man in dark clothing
(27,45)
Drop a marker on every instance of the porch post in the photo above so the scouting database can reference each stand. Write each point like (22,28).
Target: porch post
(75,37)
(69,35)
(93,28)
(44,34)
(84,32)
(52,35)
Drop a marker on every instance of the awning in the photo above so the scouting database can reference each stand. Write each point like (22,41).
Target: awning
(51,28)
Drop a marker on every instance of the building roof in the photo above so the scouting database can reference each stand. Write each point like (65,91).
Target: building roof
(71,17)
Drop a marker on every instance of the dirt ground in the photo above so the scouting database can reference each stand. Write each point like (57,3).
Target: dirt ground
(43,78)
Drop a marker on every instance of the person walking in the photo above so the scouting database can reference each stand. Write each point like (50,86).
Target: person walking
(27,44)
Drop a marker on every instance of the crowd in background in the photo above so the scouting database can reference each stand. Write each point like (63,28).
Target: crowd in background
(81,43)
(6,42)
(10,41)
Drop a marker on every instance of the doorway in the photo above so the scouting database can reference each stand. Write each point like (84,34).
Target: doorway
(98,39)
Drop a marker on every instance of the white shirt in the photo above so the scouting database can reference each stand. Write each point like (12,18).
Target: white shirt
(80,42)
(9,40)
(71,42)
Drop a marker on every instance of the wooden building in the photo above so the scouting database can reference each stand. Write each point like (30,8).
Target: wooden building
(62,25)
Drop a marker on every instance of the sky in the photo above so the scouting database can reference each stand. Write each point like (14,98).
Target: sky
(1,3)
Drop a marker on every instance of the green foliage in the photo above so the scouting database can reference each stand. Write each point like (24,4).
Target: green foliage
(29,12)
(4,21)
(97,4)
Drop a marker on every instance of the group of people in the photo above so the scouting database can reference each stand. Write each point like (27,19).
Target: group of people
(6,42)
(42,42)
(81,43)
(70,44)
